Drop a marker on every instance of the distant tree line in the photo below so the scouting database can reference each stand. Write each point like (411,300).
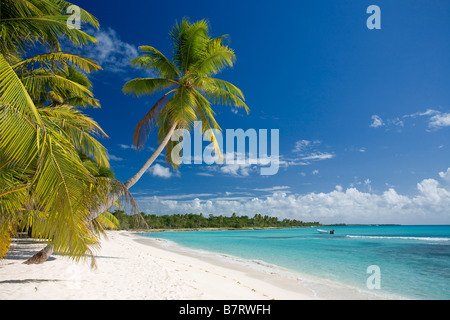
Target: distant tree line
(192,221)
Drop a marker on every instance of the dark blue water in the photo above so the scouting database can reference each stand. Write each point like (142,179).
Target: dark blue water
(411,261)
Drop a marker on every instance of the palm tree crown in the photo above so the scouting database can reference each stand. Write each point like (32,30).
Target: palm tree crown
(188,80)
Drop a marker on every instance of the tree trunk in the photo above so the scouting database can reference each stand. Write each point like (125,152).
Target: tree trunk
(41,256)
(113,197)
(45,253)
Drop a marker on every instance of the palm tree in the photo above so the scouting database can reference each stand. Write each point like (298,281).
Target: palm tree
(44,184)
(190,89)
(43,142)
(25,22)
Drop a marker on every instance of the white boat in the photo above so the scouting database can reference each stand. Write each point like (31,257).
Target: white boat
(326,231)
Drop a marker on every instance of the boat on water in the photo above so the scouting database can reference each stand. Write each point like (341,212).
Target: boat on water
(326,231)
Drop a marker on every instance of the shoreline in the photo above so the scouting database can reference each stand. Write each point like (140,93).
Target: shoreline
(254,228)
(316,288)
(211,229)
(275,283)
(134,267)
(131,270)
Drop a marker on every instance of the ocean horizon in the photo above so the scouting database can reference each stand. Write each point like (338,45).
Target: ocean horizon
(356,262)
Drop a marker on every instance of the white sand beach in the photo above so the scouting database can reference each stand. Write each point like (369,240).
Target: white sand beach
(130,267)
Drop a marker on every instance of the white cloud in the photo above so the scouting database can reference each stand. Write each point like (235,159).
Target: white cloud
(307,151)
(436,119)
(445,175)
(185,196)
(275,188)
(132,147)
(236,169)
(315,172)
(110,52)
(429,189)
(376,121)
(440,120)
(397,123)
(286,162)
(367,183)
(430,204)
(237,164)
(114,158)
(205,174)
(428,112)
(302,145)
(126,146)
(319,156)
(158,170)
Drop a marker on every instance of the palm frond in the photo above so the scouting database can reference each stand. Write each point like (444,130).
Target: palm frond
(49,27)
(77,128)
(24,22)
(222,92)
(143,127)
(141,86)
(50,59)
(178,35)
(196,56)
(38,83)
(43,182)
(85,16)
(214,58)
(196,39)
(181,108)
(13,91)
(155,60)
(209,123)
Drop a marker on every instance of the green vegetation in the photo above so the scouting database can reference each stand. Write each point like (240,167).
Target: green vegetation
(194,221)
(191,90)
(55,181)
(53,170)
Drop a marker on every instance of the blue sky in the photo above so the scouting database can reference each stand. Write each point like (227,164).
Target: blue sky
(363,115)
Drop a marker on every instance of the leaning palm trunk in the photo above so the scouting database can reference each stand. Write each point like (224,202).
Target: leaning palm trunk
(45,253)
(197,57)
(117,194)
(41,256)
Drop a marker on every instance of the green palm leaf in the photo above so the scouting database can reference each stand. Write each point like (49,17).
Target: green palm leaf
(49,59)
(44,184)
(214,58)
(196,56)
(13,93)
(154,59)
(141,86)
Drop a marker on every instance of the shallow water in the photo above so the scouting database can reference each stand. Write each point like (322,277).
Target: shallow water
(410,261)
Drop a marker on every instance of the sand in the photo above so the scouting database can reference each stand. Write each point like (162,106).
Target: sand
(129,267)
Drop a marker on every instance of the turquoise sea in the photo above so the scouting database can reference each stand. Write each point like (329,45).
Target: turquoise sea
(411,262)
